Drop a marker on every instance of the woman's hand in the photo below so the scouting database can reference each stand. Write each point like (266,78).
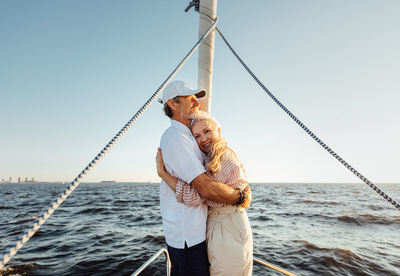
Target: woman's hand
(160,164)
(162,172)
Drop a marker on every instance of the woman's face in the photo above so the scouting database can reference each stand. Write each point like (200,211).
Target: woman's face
(205,134)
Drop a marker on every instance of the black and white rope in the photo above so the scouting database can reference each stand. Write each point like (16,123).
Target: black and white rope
(309,132)
(195,4)
(19,243)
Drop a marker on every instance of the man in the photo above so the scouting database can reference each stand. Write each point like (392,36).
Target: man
(185,226)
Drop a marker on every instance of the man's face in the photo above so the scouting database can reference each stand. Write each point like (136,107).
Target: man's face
(188,105)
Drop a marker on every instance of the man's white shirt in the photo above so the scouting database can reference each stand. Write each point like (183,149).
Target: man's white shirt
(184,160)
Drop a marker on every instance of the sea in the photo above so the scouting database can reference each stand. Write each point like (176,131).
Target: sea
(113,228)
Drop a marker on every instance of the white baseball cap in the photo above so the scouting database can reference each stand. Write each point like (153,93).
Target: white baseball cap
(180,88)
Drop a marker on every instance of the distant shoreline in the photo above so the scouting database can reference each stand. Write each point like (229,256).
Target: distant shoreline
(150,182)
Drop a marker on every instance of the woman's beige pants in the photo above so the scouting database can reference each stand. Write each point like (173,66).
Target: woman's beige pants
(229,242)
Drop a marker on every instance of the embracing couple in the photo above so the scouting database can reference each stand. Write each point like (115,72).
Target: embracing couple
(203,192)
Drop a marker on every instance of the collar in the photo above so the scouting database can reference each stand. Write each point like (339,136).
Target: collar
(180,127)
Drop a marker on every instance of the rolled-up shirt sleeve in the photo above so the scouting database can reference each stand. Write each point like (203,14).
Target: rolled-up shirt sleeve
(186,194)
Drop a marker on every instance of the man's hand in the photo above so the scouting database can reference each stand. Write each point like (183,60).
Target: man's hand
(247,201)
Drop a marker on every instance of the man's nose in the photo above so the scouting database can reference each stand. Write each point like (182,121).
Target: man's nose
(196,102)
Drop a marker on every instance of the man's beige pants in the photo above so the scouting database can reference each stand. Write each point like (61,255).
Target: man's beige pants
(229,242)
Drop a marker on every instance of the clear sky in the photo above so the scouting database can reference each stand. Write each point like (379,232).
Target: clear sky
(73,72)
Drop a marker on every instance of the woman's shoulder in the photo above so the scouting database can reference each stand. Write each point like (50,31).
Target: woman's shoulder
(231,166)
(230,159)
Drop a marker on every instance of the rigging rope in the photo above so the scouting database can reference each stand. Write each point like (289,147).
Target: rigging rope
(195,4)
(309,132)
(19,243)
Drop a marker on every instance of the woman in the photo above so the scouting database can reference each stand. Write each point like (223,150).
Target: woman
(229,237)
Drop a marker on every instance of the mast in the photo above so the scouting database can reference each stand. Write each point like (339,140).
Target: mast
(208,10)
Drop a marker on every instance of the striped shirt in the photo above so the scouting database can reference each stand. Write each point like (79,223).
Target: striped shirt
(231,174)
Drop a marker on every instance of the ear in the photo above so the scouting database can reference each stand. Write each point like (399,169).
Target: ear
(172,104)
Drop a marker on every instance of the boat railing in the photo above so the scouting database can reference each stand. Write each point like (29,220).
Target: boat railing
(274,267)
(163,250)
(152,258)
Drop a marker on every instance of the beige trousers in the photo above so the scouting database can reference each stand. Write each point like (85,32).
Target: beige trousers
(229,242)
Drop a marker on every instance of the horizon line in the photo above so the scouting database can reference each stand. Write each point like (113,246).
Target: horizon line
(158,182)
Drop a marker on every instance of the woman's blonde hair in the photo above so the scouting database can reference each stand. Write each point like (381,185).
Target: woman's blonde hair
(219,147)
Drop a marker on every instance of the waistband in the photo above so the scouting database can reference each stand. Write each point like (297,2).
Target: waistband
(225,210)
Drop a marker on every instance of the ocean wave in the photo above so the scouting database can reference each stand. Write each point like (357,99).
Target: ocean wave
(90,202)
(262,218)
(378,207)
(50,234)
(369,219)
(20,215)
(23,221)
(92,211)
(122,201)
(104,241)
(311,246)
(263,200)
(148,205)
(6,207)
(313,216)
(64,248)
(338,261)
(137,219)
(319,202)
(83,228)
(160,240)
(316,192)
(291,214)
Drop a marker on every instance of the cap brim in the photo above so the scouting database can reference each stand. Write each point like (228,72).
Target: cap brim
(197,93)
(201,94)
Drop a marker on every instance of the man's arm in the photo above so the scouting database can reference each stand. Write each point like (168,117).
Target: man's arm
(215,191)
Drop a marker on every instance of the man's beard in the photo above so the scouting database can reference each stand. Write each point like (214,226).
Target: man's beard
(194,114)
